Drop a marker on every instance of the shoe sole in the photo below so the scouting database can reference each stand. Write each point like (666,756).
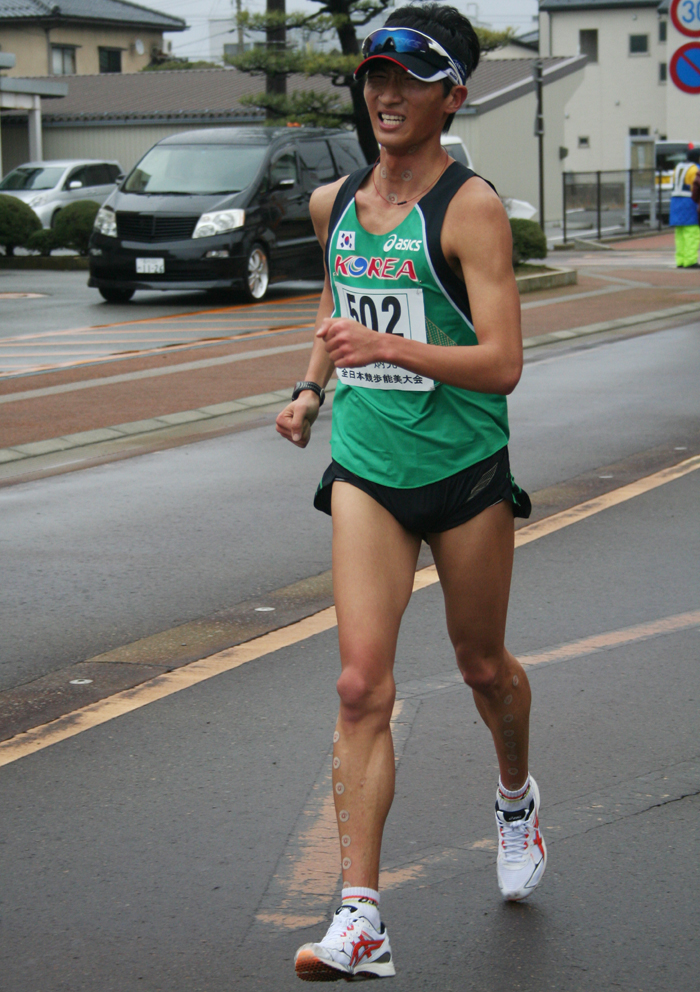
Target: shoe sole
(309,968)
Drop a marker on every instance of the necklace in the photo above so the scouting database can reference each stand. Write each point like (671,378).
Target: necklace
(392,199)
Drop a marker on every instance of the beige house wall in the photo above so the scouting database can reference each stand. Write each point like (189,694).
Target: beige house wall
(504,148)
(31,45)
(620,92)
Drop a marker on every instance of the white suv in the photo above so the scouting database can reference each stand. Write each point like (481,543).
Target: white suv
(47,187)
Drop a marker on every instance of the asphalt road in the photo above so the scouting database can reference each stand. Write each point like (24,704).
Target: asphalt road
(63,301)
(102,557)
(182,846)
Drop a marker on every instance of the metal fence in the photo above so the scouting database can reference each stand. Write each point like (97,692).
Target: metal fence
(606,203)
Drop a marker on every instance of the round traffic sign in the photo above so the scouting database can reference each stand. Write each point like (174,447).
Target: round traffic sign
(685,67)
(685,15)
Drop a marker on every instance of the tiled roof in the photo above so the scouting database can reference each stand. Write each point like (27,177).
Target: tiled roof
(187,94)
(493,76)
(529,40)
(114,11)
(214,94)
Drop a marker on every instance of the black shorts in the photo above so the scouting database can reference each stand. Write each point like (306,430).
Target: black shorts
(441,505)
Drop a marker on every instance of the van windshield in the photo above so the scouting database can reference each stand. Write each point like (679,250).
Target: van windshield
(196,169)
(32,178)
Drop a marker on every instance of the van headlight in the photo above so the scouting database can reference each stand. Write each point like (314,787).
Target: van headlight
(38,200)
(218,222)
(106,222)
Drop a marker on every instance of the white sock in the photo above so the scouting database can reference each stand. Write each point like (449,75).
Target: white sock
(366,900)
(513,802)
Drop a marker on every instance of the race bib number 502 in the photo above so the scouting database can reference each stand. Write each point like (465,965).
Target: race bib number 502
(398,312)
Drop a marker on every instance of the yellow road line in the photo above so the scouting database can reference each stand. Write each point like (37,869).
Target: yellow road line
(613,638)
(558,520)
(225,661)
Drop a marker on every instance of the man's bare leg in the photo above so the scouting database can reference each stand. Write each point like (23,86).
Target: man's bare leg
(374,562)
(474,562)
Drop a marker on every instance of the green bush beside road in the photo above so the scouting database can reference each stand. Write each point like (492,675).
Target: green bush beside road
(43,241)
(74,225)
(17,223)
(528,240)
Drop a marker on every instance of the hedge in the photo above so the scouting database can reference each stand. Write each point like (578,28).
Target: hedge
(43,241)
(73,225)
(528,240)
(17,223)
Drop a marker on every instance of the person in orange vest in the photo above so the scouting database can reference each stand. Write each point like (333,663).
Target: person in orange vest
(684,211)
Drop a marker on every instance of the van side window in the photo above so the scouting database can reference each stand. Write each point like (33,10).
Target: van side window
(284,168)
(97,175)
(114,172)
(77,175)
(348,156)
(316,159)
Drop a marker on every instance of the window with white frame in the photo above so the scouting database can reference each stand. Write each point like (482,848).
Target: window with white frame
(63,60)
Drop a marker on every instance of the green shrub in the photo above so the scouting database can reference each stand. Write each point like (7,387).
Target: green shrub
(17,222)
(73,225)
(528,240)
(43,241)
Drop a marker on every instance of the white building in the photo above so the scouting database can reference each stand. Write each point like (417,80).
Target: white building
(626,91)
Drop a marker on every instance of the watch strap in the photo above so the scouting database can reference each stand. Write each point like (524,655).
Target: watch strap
(313,386)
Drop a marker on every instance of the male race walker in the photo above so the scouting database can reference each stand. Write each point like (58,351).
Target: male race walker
(418,249)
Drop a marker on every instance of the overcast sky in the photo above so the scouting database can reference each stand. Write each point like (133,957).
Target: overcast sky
(194,44)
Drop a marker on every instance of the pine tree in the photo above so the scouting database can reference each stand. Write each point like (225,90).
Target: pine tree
(277,60)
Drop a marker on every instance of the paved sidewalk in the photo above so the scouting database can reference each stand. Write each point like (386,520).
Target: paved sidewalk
(635,279)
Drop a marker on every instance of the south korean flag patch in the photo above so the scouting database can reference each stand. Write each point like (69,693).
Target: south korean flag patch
(346,240)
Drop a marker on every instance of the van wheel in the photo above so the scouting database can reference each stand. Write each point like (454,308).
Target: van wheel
(116,295)
(257,273)
(54,218)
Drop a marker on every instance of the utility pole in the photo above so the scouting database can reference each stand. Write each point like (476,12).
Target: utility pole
(239,26)
(537,71)
(276,41)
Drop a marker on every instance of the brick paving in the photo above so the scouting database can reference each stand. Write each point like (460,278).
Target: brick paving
(108,403)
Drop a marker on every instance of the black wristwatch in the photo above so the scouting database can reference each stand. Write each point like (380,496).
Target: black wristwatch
(313,386)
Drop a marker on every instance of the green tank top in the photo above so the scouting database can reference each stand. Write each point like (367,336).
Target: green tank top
(392,426)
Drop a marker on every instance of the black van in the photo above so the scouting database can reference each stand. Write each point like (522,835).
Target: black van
(221,208)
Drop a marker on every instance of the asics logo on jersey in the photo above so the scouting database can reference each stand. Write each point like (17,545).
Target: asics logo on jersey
(356,266)
(401,244)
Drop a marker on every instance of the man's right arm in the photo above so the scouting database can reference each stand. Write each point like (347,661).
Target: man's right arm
(294,422)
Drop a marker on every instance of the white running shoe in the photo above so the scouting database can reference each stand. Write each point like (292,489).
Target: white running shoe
(522,853)
(352,948)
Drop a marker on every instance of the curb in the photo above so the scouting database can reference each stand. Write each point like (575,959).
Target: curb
(35,449)
(611,325)
(547,280)
(65,263)
(583,244)
(138,427)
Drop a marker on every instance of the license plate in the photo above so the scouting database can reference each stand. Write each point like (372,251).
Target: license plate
(150,266)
